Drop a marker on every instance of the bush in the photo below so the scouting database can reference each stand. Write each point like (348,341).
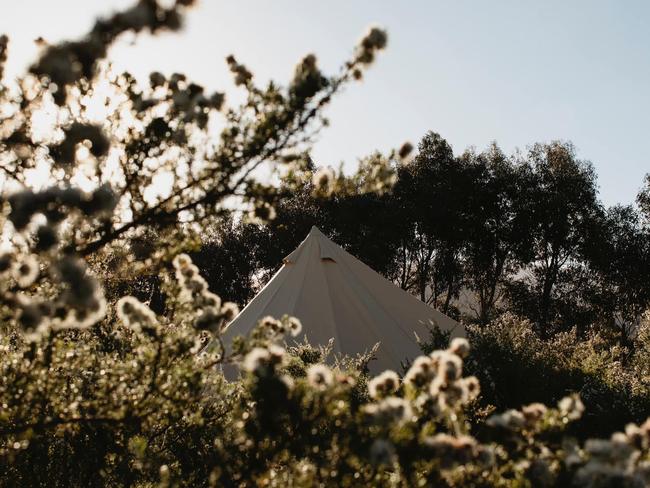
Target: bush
(516,367)
(133,402)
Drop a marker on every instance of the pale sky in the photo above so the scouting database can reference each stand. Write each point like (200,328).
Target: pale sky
(514,71)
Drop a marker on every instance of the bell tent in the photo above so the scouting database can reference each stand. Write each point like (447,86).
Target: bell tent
(337,296)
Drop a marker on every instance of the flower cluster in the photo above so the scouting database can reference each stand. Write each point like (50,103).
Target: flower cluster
(53,202)
(242,75)
(187,101)
(405,151)
(66,63)
(317,413)
(276,328)
(82,296)
(383,385)
(104,406)
(621,460)
(375,39)
(531,416)
(136,315)
(263,361)
(324,182)
(421,372)
(64,153)
(433,385)
(213,315)
(571,407)
(376,174)
(307,79)
(390,410)
(23,269)
(451,451)
(437,379)
(79,304)
(320,376)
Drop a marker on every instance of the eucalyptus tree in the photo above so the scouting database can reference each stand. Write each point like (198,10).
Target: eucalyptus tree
(562,200)
(431,192)
(498,243)
(619,261)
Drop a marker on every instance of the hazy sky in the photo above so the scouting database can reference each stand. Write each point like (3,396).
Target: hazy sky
(513,71)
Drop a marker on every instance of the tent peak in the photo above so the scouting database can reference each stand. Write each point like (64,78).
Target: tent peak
(317,241)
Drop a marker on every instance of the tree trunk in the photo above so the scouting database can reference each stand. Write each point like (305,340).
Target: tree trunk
(550,276)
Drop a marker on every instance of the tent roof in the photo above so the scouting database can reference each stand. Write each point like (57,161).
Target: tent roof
(337,296)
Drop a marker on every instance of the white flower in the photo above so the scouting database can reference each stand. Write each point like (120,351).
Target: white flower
(638,436)
(450,449)
(187,274)
(421,372)
(405,151)
(399,409)
(571,407)
(277,354)
(26,271)
(534,412)
(319,376)
(471,386)
(229,311)
(510,419)
(389,410)
(209,299)
(33,318)
(375,38)
(448,366)
(295,326)
(93,310)
(449,395)
(600,448)
(209,319)
(196,284)
(459,346)
(182,261)
(271,324)
(135,314)
(257,359)
(383,385)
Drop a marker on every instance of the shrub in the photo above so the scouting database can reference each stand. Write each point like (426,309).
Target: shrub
(133,402)
(516,367)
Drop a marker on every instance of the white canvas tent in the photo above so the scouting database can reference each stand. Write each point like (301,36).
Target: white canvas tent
(337,296)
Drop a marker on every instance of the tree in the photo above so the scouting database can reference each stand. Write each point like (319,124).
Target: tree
(643,199)
(562,201)
(619,259)
(228,259)
(431,192)
(365,223)
(498,242)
